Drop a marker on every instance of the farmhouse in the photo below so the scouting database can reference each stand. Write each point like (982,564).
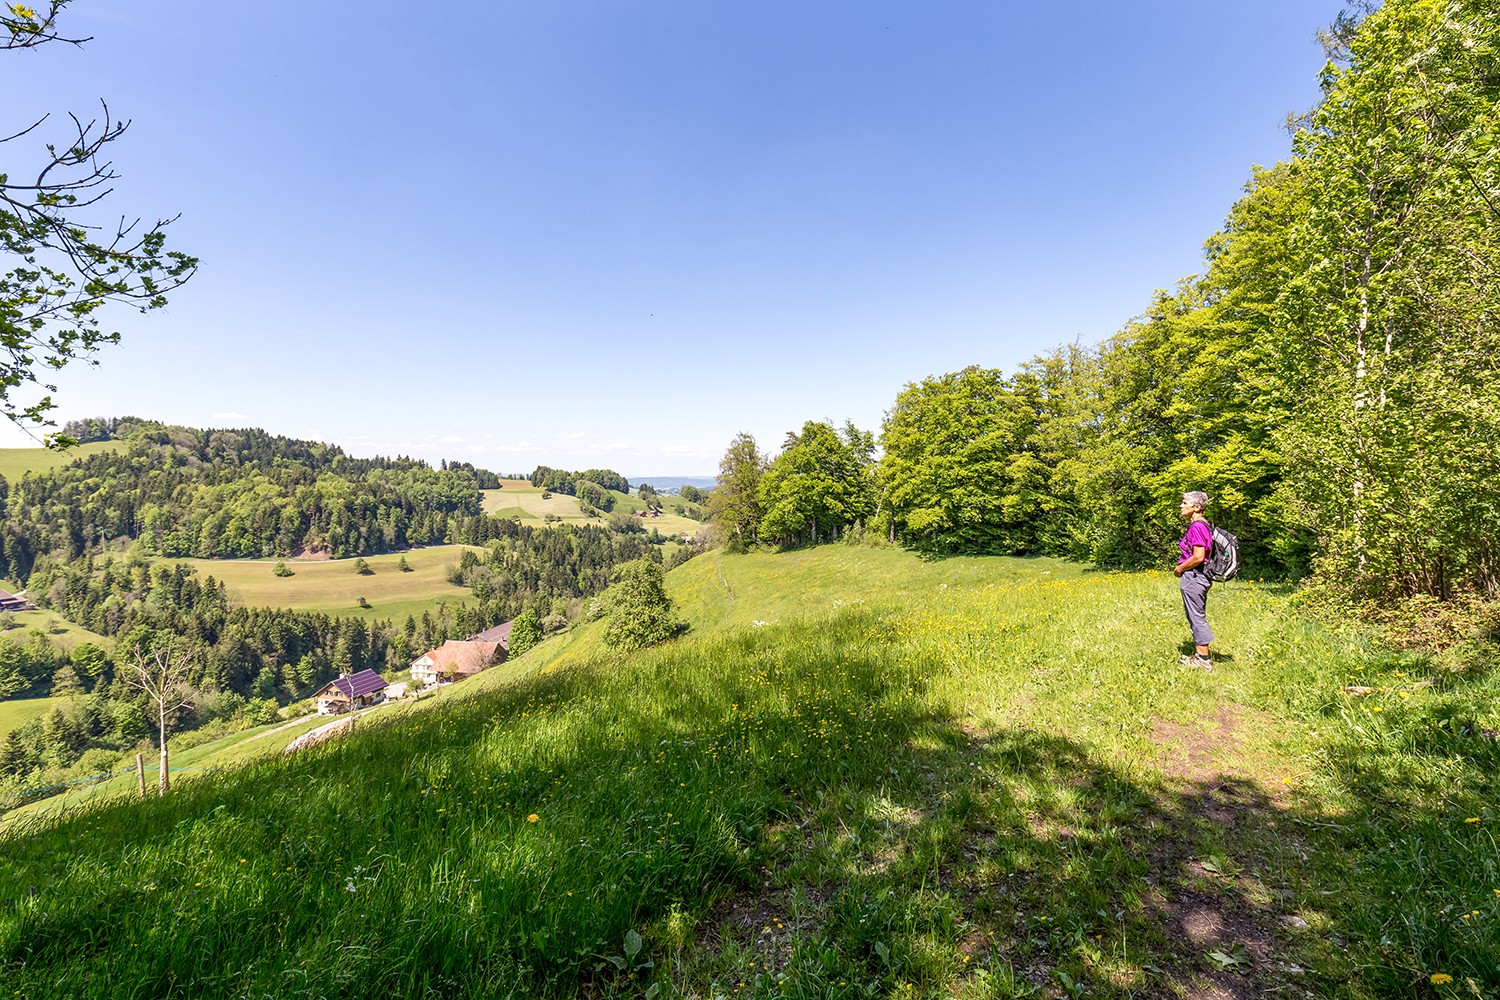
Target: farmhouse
(10,602)
(454,660)
(360,690)
(500,633)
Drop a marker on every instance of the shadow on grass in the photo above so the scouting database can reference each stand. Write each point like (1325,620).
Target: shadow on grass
(1013,861)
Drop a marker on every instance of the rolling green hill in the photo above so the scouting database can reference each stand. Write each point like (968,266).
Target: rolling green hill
(858,774)
(16,712)
(524,501)
(63,633)
(333,586)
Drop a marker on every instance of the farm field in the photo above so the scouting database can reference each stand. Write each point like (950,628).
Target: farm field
(526,502)
(859,773)
(16,462)
(63,633)
(332,585)
(16,712)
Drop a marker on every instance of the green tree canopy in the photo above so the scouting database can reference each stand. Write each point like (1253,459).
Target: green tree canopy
(525,632)
(640,612)
(820,484)
(734,505)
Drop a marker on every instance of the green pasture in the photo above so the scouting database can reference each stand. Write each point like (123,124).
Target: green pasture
(208,760)
(859,773)
(16,462)
(16,712)
(63,633)
(525,501)
(333,586)
(204,760)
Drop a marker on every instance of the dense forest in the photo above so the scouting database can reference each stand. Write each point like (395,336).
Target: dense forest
(1329,379)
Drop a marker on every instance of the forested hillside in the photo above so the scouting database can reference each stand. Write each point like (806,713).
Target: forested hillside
(1329,379)
(233,493)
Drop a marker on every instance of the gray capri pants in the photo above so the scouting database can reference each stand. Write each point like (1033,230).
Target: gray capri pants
(1194,585)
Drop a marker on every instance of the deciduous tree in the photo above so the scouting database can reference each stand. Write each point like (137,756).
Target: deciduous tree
(65,261)
(734,505)
(640,612)
(161,671)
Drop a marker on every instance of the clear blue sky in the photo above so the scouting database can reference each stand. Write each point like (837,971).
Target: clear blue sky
(615,233)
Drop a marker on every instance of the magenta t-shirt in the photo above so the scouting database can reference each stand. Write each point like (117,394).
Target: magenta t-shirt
(1198,533)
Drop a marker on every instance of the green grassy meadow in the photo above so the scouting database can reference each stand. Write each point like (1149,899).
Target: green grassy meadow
(62,633)
(16,712)
(16,462)
(858,774)
(525,501)
(332,585)
(209,760)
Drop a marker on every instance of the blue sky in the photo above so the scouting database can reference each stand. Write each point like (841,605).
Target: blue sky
(617,233)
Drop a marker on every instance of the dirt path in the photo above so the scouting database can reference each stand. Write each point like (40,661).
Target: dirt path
(1218,882)
(283,726)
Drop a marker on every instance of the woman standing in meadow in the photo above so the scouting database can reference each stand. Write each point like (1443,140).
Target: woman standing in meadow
(1193,578)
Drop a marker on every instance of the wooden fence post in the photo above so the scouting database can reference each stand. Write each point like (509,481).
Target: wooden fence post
(140,774)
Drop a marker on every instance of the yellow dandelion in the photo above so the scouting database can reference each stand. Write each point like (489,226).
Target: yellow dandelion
(532,818)
(1439,978)
(1472,819)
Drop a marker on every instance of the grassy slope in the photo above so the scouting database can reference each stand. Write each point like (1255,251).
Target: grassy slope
(16,462)
(63,633)
(526,503)
(209,759)
(333,586)
(950,778)
(16,713)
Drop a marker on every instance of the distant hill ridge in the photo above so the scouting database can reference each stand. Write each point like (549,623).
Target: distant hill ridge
(233,493)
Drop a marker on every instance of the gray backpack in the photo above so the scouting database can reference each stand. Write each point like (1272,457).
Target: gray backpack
(1223,562)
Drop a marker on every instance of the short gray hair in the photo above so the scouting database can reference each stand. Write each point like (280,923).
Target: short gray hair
(1197,498)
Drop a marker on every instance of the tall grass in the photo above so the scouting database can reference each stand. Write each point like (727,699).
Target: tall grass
(961,788)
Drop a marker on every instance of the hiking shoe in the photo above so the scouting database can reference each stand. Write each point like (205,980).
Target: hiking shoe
(1201,662)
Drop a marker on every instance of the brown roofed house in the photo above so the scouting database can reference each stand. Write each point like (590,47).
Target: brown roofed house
(500,633)
(454,660)
(10,602)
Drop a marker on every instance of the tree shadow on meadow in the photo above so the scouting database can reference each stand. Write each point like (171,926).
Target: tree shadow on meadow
(1013,861)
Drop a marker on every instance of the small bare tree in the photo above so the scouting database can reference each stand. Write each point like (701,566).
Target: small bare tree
(162,673)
